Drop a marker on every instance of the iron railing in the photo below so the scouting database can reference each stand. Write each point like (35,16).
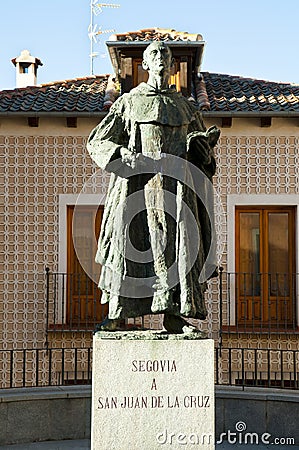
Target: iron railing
(73,302)
(248,302)
(257,367)
(258,302)
(43,367)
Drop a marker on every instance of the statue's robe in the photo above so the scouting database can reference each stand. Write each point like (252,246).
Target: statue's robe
(140,127)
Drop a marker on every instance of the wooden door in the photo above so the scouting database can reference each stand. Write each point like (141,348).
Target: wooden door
(265,266)
(83,303)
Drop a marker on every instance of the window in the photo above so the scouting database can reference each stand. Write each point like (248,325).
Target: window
(24,67)
(265,266)
(141,75)
(83,295)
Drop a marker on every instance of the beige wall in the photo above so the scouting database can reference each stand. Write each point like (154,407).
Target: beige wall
(43,164)
(39,164)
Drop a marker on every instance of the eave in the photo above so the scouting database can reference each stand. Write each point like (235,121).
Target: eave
(100,114)
(250,114)
(11,114)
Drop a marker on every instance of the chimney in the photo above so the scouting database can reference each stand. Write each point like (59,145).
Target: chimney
(26,69)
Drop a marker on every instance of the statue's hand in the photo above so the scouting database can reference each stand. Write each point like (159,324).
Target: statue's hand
(140,163)
(213,134)
(209,137)
(136,161)
(128,157)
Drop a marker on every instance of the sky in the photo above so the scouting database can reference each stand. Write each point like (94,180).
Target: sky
(251,38)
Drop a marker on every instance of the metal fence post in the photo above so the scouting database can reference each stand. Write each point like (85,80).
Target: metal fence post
(47,300)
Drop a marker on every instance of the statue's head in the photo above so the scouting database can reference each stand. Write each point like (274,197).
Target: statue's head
(157,57)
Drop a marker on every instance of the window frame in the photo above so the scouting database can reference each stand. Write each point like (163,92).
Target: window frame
(83,306)
(66,200)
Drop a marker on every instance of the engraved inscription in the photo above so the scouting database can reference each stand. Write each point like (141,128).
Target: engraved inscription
(156,365)
(154,401)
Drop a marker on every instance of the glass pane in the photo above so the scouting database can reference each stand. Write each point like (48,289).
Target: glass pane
(249,267)
(174,78)
(142,74)
(279,253)
(85,244)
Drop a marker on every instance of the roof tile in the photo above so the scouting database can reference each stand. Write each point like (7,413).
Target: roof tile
(156,34)
(82,94)
(212,91)
(230,93)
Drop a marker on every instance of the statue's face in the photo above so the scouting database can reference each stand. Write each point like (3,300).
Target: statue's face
(157,58)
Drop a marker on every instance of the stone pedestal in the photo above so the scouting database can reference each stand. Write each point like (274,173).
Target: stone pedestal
(152,391)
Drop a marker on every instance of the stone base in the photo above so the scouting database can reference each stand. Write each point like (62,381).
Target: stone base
(152,390)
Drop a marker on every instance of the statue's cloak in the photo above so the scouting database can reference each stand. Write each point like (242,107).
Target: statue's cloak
(151,254)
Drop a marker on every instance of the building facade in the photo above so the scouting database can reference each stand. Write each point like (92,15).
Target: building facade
(52,203)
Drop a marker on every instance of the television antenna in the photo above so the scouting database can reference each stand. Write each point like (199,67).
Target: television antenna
(94,31)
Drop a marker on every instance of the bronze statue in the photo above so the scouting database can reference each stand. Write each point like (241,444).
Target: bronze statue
(156,233)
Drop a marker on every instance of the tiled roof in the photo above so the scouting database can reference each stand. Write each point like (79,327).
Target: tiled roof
(229,93)
(78,95)
(216,93)
(156,34)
